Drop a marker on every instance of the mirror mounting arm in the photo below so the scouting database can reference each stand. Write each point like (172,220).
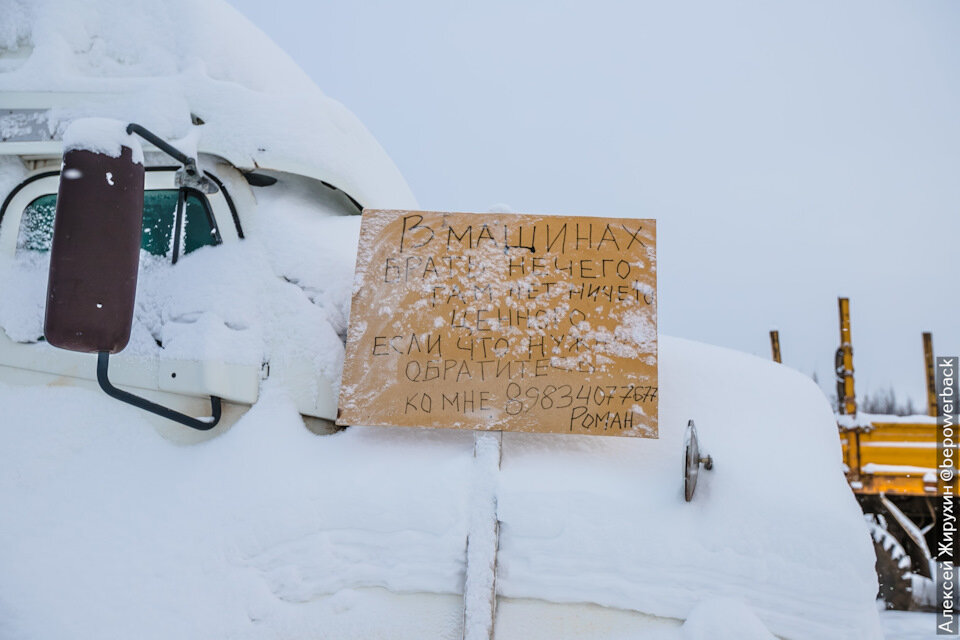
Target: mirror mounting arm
(193,176)
(189,163)
(201,424)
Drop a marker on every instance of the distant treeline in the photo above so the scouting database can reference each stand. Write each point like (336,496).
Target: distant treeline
(883,402)
(887,403)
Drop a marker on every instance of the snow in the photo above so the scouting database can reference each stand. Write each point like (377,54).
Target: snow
(866,420)
(724,619)
(23,287)
(12,172)
(164,64)
(245,533)
(101,135)
(742,534)
(909,625)
(111,531)
(895,469)
(281,296)
(314,253)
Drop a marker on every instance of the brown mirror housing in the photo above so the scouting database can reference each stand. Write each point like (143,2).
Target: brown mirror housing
(95,252)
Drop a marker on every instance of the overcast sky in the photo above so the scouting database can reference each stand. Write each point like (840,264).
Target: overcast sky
(791,152)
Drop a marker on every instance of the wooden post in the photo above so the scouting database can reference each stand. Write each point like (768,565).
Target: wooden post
(483,539)
(931,377)
(775,345)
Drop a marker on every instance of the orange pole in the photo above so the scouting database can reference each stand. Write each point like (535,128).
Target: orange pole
(931,379)
(775,345)
(846,398)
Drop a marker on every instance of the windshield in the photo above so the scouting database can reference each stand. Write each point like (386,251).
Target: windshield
(159,213)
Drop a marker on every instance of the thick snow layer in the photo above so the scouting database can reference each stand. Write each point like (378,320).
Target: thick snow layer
(909,625)
(158,62)
(101,135)
(607,515)
(281,295)
(868,419)
(12,173)
(112,531)
(724,619)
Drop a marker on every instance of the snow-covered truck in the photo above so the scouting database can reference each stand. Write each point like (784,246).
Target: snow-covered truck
(267,529)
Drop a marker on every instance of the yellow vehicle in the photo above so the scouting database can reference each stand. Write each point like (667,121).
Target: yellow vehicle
(890,462)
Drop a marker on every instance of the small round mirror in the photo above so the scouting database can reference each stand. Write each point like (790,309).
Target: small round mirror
(692,460)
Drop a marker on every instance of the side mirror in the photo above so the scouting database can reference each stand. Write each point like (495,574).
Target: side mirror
(95,251)
(692,461)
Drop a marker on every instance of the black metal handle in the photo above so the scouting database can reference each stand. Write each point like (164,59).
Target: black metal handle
(189,164)
(201,424)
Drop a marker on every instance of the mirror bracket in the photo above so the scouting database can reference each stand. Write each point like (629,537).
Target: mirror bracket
(187,176)
(201,424)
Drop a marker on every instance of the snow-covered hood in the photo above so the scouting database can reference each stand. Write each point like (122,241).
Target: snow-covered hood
(267,518)
(169,64)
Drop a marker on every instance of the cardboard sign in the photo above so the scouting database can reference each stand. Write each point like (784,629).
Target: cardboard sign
(503,321)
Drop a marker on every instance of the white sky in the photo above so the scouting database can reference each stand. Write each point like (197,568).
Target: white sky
(791,152)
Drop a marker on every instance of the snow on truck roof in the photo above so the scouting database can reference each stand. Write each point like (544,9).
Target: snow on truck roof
(167,64)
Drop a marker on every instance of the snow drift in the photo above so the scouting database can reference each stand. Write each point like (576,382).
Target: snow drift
(113,531)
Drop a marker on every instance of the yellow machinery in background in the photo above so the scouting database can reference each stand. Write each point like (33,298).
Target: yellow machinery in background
(775,345)
(890,462)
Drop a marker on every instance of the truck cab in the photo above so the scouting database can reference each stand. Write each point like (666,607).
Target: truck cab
(169,360)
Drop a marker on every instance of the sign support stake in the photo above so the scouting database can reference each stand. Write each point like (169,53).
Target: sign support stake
(775,345)
(931,376)
(483,539)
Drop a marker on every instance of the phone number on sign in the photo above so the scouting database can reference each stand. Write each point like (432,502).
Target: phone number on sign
(523,399)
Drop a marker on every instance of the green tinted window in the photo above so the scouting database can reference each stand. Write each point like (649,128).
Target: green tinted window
(159,213)
(196,222)
(36,225)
